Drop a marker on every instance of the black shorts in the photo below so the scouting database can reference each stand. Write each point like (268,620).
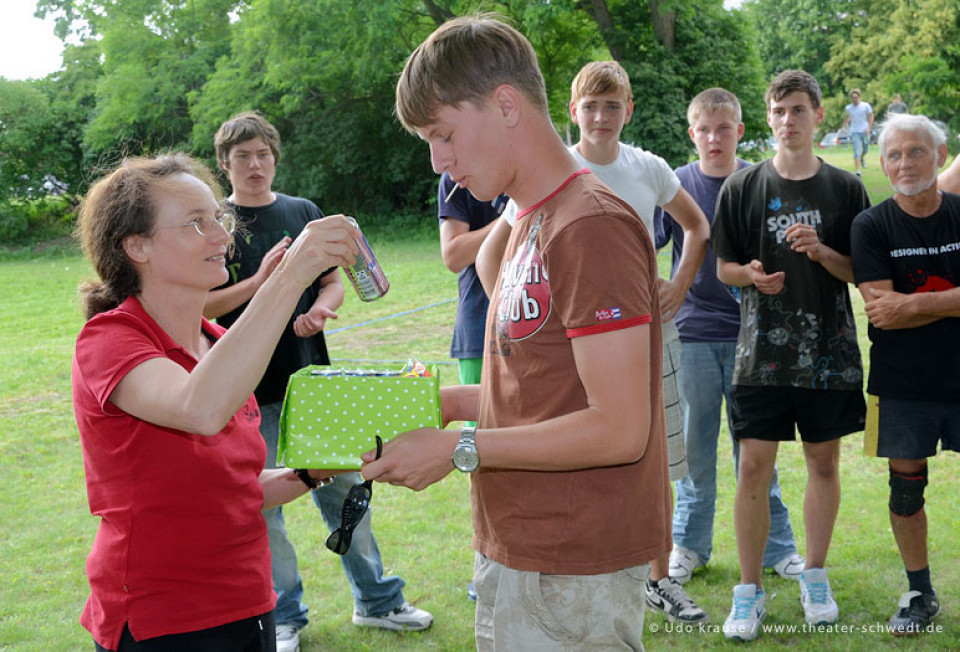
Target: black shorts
(774,413)
(256,634)
(910,430)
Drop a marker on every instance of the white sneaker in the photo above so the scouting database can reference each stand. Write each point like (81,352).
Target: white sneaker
(790,567)
(683,562)
(405,617)
(668,597)
(747,613)
(288,638)
(819,607)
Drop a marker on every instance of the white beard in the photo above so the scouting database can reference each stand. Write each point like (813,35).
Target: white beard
(915,188)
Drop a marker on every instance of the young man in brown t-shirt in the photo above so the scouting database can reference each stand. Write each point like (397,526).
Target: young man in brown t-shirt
(569,481)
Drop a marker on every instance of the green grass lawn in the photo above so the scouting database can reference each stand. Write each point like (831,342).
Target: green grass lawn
(424,537)
(877,185)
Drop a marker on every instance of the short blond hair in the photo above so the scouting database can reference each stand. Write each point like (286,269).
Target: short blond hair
(712,101)
(601,78)
(464,60)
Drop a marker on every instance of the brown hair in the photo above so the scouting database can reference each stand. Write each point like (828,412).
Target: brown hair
(119,205)
(790,81)
(241,128)
(601,78)
(464,60)
(714,100)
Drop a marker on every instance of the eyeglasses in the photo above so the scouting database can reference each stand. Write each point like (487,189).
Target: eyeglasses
(355,505)
(208,225)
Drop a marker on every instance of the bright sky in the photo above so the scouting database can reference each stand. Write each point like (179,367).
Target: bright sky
(28,48)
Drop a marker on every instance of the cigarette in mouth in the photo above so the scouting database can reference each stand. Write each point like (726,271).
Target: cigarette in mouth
(452,190)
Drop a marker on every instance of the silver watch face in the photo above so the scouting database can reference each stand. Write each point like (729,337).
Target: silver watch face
(466,460)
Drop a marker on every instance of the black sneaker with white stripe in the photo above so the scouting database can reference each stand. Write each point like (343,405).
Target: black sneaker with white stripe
(668,597)
(914,613)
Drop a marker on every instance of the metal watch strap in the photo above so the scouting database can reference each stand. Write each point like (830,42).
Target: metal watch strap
(465,456)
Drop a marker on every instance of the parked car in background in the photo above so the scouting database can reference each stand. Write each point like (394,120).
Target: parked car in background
(761,145)
(834,138)
(829,139)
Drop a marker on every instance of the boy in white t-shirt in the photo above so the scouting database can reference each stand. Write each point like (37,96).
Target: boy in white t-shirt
(601,104)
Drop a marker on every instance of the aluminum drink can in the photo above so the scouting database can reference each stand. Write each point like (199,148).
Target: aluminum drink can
(365,274)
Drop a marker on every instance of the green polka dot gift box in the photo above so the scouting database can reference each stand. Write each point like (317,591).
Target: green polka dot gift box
(331,414)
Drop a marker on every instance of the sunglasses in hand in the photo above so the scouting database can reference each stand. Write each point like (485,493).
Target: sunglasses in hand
(355,505)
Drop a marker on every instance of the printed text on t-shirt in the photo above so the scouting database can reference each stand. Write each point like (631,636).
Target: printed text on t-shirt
(778,224)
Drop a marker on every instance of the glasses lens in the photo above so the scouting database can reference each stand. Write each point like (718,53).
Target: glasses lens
(204,225)
(354,507)
(339,541)
(207,226)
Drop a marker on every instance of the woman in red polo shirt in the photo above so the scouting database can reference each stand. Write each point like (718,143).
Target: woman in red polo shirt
(168,424)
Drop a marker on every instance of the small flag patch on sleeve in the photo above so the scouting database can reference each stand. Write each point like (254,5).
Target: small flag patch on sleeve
(606,314)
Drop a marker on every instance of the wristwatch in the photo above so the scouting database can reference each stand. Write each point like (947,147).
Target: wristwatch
(465,456)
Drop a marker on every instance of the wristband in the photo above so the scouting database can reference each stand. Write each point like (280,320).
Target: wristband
(305,477)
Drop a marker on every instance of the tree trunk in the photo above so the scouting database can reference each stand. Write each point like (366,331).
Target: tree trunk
(600,13)
(663,25)
(439,14)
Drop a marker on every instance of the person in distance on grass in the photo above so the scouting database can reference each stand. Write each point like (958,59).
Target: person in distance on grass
(906,261)
(248,150)
(464,223)
(782,234)
(167,418)
(897,105)
(859,115)
(568,460)
(709,321)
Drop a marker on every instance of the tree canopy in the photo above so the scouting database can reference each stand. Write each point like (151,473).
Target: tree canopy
(911,47)
(142,76)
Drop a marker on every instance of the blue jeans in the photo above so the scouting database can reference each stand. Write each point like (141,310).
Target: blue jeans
(373,594)
(861,143)
(706,377)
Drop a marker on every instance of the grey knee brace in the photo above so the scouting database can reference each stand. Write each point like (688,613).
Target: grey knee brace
(906,492)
